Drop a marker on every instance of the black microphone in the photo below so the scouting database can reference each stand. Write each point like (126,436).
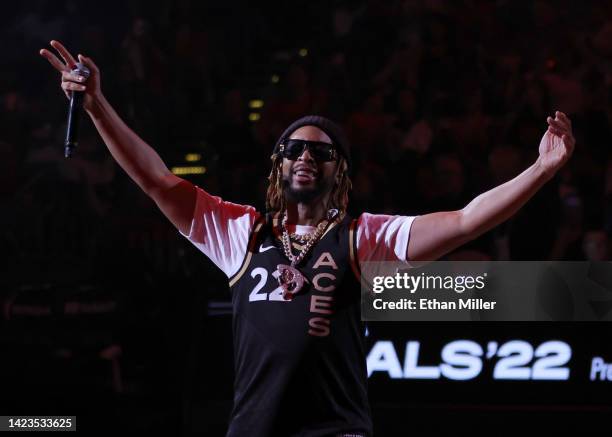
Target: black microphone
(74,109)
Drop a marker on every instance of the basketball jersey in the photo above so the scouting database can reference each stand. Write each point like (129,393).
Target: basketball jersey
(300,367)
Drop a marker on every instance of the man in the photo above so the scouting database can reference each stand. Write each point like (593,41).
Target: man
(298,339)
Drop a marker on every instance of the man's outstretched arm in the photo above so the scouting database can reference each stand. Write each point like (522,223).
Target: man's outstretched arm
(434,235)
(173,195)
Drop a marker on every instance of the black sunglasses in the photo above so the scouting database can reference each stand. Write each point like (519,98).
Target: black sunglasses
(293,149)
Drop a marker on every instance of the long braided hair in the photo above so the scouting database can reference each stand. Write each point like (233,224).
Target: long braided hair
(275,199)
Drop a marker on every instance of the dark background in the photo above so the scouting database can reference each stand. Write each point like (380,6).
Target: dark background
(108,313)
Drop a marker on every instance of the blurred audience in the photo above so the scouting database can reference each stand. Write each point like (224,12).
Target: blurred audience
(437,111)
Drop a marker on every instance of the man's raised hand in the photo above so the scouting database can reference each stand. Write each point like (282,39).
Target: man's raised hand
(557,144)
(70,81)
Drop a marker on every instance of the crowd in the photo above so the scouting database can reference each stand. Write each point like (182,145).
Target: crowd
(441,100)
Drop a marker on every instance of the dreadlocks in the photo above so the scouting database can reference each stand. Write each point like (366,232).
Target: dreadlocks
(275,200)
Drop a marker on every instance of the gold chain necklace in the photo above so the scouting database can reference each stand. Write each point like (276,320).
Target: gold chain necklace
(289,277)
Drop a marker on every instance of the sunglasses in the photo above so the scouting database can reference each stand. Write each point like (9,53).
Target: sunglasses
(293,149)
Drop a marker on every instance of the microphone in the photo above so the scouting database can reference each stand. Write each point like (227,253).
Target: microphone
(76,102)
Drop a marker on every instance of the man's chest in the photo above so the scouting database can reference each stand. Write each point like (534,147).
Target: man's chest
(258,296)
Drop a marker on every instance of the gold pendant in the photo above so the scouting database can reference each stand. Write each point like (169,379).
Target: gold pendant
(290,279)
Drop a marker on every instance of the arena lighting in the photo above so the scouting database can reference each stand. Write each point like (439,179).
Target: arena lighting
(303,52)
(193,157)
(188,170)
(254,116)
(255,104)
(275,78)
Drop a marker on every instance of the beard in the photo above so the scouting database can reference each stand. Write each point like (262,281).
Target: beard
(306,194)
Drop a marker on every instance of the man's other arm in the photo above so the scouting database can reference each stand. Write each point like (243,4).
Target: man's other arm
(434,235)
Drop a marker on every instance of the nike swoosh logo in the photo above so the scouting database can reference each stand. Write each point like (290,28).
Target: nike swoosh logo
(263,249)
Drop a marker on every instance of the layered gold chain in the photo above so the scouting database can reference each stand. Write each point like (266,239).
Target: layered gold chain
(308,239)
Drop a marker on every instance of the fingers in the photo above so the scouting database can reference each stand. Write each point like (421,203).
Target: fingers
(89,63)
(557,127)
(71,86)
(557,132)
(72,82)
(64,53)
(68,76)
(69,60)
(53,60)
(564,118)
(561,126)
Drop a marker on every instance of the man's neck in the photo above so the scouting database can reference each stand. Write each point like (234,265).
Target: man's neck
(307,214)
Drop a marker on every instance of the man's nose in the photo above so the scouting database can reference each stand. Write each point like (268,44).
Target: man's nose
(305,156)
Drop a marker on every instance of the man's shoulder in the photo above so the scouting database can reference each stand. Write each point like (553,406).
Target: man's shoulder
(368,217)
(214,201)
